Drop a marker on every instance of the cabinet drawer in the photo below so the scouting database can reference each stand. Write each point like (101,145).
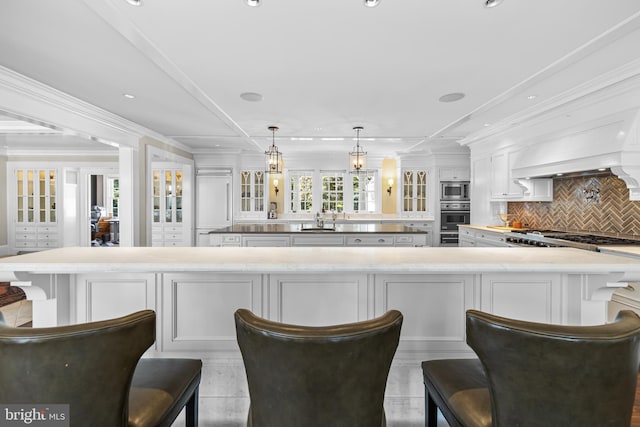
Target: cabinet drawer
(47,244)
(322,240)
(29,228)
(172,237)
(173,229)
(26,236)
(47,229)
(26,243)
(370,240)
(231,238)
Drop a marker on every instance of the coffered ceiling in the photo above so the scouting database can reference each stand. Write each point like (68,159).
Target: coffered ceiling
(320,67)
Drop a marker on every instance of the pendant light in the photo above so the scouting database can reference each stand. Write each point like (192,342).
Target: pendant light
(358,157)
(273,156)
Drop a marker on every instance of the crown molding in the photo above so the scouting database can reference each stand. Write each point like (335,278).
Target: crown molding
(27,99)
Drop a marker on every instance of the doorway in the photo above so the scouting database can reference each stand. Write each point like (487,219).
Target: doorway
(103,207)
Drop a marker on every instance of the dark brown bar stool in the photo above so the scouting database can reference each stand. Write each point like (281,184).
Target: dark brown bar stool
(535,374)
(96,369)
(317,376)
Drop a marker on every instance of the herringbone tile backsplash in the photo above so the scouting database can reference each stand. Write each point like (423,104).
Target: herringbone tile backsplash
(596,204)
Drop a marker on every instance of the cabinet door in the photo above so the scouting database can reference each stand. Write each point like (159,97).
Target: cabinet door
(415,190)
(502,186)
(454,174)
(252,192)
(213,201)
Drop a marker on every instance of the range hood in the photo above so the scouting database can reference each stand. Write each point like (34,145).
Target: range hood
(610,145)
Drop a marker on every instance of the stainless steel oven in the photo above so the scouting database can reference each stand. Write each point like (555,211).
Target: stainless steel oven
(451,215)
(454,190)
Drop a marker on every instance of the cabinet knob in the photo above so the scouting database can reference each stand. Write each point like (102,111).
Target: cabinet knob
(358,240)
(380,240)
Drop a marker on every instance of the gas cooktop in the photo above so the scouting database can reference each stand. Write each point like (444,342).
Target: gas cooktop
(555,238)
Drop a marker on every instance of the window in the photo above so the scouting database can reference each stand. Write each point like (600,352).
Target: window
(332,191)
(364,192)
(300,191)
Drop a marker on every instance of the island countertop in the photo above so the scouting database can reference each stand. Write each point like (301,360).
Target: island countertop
(308,228)
(319,259)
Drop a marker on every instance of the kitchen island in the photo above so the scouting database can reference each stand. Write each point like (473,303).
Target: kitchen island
(329,234)
(196,290)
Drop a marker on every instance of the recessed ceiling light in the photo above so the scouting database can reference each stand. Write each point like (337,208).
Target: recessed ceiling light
(134,2)
(251,96)
(602,169)
(253,3)
(492,3)
(128,95)
(559,174)
(451,97)
(487,124)
(531,97)
(371,3)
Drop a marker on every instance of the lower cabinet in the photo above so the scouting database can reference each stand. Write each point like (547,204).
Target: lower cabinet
(469,237)
(265,240)
(195,309)
(320,239)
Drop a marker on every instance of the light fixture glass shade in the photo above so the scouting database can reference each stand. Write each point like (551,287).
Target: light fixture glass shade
(371,3)
(358,157)
(253,3)
(273,156)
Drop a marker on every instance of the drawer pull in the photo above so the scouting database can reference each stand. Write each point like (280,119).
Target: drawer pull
(358,240)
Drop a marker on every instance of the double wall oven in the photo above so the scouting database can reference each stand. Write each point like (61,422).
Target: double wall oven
(455,209)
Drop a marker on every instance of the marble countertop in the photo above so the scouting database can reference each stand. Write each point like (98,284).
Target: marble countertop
(319,259)
(629,250)
(311,229)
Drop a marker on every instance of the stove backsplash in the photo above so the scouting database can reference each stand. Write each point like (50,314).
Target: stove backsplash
(593,203)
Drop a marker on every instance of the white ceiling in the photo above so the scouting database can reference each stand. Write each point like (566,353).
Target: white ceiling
(322,66)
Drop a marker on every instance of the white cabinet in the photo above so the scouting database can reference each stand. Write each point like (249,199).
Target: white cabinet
(466,237)
(266,240)
(252,194)
(370,240)
(455,174)
(214,208)
(168,208)
(537,190)
(502,186)
(35,213)
(415,192)
(469,237)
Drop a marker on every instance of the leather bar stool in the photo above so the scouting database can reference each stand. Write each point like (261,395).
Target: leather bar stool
(317,376)
(96,369)
(535,374)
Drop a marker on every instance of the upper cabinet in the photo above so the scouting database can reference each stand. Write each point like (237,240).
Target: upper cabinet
(502,185)
(455,174)
(253,194)
(36,209)
(415,192)
(537,190)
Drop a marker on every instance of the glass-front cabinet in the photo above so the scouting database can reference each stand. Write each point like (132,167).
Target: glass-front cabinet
(36,209)
(252,193)
(415,191)
(167,207)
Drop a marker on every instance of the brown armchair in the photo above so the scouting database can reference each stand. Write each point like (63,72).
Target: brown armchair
(317,376)
(535,374)
(96,369)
